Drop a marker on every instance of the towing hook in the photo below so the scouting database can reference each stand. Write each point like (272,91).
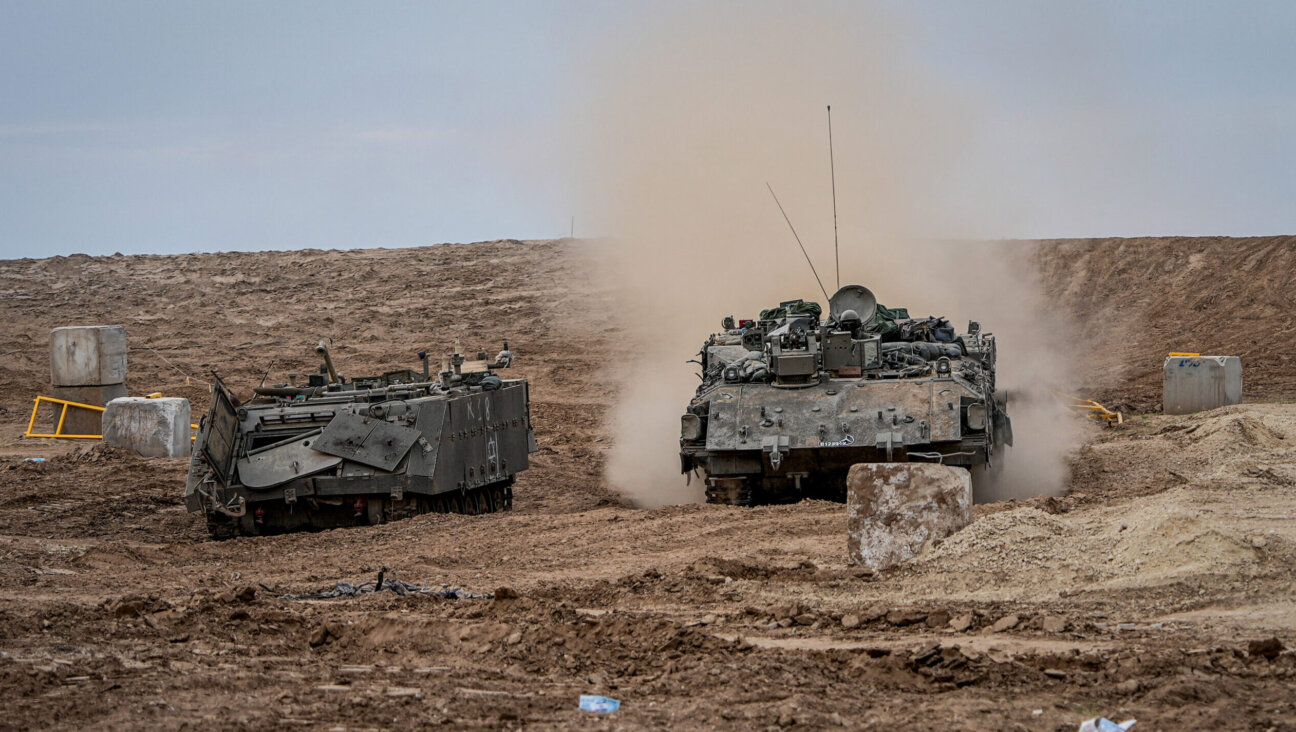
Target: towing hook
(776,459)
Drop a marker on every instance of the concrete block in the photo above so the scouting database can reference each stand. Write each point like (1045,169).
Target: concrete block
(86,421)
(1198,383)
(150,427)
(88,355)
(893,509)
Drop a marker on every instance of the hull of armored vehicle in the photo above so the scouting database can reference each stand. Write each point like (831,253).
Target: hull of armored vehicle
(358,456)
(789,403)
(766,444)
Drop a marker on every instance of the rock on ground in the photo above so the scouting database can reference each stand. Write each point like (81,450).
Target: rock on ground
(894,509)
(150,427)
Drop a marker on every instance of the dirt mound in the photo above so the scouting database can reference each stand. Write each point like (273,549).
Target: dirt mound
(1201,481)
(1026,554)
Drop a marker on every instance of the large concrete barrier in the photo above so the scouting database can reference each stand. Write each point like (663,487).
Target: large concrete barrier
(1198,383)
(893,509)
(150,427)
(88,355)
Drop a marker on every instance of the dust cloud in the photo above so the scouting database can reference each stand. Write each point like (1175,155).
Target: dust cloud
(685,115)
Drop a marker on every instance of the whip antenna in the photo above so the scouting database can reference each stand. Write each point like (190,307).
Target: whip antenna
(832,170)
(798,240)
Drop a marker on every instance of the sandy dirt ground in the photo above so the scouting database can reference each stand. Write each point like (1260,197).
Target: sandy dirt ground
(1161,587)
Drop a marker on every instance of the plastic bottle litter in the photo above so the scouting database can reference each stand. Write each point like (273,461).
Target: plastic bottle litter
(1103,724)
(599,703)
(33,460)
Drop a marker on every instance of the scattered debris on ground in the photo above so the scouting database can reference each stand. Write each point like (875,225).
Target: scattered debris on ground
(390,584)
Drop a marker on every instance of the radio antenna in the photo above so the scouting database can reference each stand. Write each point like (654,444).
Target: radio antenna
(798,240)
(832,170)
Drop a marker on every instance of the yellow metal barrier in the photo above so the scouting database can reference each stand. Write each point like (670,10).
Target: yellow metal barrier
(1092,409)
(66,405)
(58,430)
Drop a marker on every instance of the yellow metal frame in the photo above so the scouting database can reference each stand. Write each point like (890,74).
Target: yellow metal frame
(58,430)
(1092,409)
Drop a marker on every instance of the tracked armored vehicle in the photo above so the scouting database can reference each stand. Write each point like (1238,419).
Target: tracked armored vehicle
(790,401)
(344,452)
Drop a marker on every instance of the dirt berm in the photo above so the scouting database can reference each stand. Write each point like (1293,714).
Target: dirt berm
(1136,300)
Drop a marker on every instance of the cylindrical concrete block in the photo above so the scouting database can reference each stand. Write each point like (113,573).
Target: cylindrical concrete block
(86,421)
(150,427)
(88,355)
(1198,383)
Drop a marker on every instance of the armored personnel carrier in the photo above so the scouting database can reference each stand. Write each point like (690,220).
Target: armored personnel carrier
(790,400)
(343,452)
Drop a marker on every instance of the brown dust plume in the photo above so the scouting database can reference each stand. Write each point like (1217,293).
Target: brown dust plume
(690,112)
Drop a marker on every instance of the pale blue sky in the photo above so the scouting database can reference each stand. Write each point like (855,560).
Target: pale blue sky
(182,126)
